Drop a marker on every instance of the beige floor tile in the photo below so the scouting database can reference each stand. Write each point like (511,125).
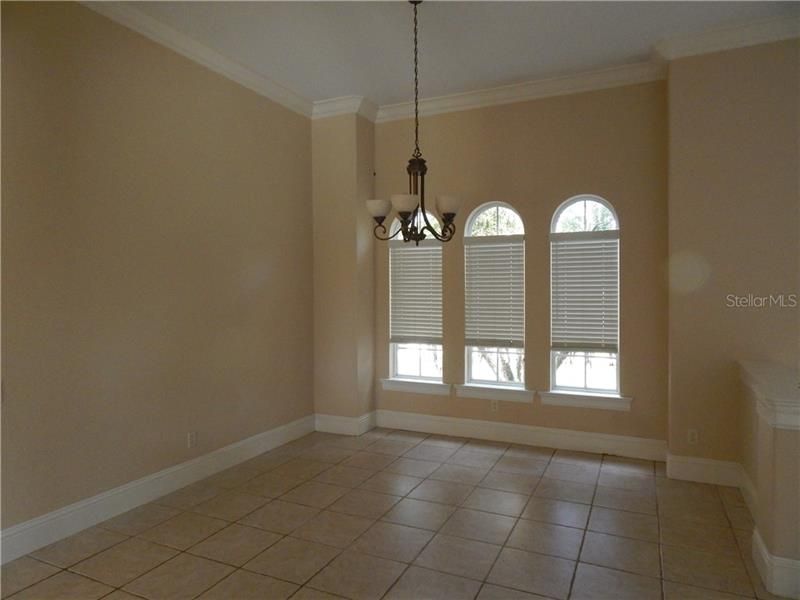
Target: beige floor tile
(270,485)
(599,583)
(313,493)
(625,554)
(352,442)
(78,547)
(392,447)
(189,496)
(731,496)
(243,585)
(309,593)
(419,513)
(457,556)
(418,584)
(64,586)
(526,465)
(358,576)
(509,482)
(293,560)
(479,525)
(473,458)
(495,592)
(392,541)
(661,469)
(504,503)
(343,476)
(688,534)
(633,466)
(364,503)
(268,460)
(180,578)
(697,513)
(233,477)
(369,461)
(755,578)
(301,468)
(624,524)
(627,481)
(570,514)
(140,519)
(183,531)
(23,572)
(578,473)
(403,434)
(490,446)
(444,492)
(448,441)
(569,491)
(235,545)
(120,595)
(535,573)
(124,562)
(722,572)
(625,500)
(546,538)
(679,591)
(391,483)
(230,506)
(431,452)
(740,517)
(413,467)
(576,457)
(459,474)
(333,529)
(539,452)
(280,517)
(327,453)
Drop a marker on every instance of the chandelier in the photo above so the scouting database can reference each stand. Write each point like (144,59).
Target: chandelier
(415,220)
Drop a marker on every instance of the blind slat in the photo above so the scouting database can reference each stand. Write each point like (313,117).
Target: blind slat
(415,294)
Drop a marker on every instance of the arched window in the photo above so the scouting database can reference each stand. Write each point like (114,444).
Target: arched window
(584,296)
(494,265)
(415,308)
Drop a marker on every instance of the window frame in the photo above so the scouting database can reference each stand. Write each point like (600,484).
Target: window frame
(393,374)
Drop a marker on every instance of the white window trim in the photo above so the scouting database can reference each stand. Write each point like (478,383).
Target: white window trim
(491,392)
(416,386)
(587,400)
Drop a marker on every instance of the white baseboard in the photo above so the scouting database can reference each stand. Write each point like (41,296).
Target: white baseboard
(564,439)
(781,576)
(344,425)
(704,470)
(26,537)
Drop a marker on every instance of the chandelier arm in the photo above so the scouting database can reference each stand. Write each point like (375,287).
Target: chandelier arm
(384,238)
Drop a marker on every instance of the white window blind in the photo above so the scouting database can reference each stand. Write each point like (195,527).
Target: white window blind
(415,292)
(495,291)
(585,290)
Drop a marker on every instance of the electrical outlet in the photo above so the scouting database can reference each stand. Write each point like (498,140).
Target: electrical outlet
(692,436)
(493,405)
(191,439)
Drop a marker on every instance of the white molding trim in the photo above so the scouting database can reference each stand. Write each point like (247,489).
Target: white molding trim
(344,425)
(781,576)
(729,38)
(488,392)
(565,439)
(704,470)
(531,90)
(126,15)
(776,392)
(26,537)
(346,105)
(416,387)
(578,400)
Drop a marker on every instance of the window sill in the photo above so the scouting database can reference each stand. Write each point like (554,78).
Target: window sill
(413,386)
(487,392)
(587,400)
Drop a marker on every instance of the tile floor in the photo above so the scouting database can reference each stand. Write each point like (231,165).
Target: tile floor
(403,515)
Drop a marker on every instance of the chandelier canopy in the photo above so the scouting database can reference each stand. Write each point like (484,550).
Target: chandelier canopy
(413,215)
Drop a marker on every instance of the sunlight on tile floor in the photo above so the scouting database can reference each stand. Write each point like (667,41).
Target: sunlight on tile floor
(404,515)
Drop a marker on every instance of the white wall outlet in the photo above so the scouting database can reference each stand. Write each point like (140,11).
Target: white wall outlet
(692,436)
(191,439)
(493,405)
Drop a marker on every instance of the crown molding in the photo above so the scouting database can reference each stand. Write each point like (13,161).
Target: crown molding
(729,38)
(531,90)
(346,105)
(182,44)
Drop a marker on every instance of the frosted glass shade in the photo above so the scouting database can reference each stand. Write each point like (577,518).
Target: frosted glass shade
(448,204)
(405,203)
(379,207)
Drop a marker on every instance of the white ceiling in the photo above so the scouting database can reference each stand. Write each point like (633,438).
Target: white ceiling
(325,50)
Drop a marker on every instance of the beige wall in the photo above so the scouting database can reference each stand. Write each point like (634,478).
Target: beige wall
(733,215)
(343,298)
(157,273)
(535,155)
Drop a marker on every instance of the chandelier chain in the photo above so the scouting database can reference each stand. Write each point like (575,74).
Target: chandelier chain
(417,151)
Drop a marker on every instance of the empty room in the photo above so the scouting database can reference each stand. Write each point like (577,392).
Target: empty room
(400,300)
